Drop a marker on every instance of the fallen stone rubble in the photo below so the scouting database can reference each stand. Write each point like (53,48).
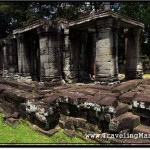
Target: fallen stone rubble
(88,108)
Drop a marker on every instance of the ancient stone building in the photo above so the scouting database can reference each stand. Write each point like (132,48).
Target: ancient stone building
(76,51)
(72,50)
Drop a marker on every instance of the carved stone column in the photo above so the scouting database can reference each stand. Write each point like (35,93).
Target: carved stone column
(8,63)
(5,61)
(91,53)
(50,55)
(106,51)
(69,68)
(23,65)
(134,69)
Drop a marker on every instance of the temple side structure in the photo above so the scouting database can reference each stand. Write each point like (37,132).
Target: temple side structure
(73,50)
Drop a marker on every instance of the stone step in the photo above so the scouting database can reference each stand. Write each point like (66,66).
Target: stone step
(121,109)
(19,85)
(101,103)
(127,97)
(123,122)
(126,86)
(142,129)
(141,112)
(142,101)
(100,87)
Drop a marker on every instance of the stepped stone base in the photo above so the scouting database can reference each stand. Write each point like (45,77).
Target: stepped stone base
(88,108)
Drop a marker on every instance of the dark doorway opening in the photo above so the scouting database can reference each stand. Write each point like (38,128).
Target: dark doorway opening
(32,54)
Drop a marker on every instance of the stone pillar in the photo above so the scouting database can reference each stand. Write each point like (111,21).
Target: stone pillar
(11,56)
(69,68)
(1,59)
(134,69)
(91,53)
(23,65)
(8,65)
(5,61)
(50,55)
(106,64)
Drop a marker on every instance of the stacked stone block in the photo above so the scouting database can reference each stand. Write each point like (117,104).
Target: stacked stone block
(86,108)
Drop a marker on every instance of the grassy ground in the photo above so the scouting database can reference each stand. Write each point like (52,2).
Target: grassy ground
(146,76)
(23,134)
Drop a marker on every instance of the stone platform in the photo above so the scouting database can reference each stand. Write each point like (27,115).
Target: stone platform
(89,108)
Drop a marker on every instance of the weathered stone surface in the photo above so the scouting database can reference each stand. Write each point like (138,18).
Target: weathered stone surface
(108,104)
(142,129)
(127,97)
(2,88)
(74,111)
(141,112)
(5,116)
(48,133)
(91,103)
(139,89)
(141,101)
(126,86)
(1,110)
(107,93)
(83,113)
(134,68)
(11,94)
(145,86)
(12,121)
(92,128)
(100,87)
(21,86)
(93,120)
(121,109)
(15,115)
(115,141)
(44,125)
(88,91)
(51,118)
(70,133)
(108,101)
(92,113)
(104,117)
(72,98)
(64,108)
(49,100)
(52,84)
(125,121)
(139,141)
(86,108)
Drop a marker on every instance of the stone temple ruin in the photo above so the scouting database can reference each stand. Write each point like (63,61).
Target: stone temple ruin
(42,62)
(72,50)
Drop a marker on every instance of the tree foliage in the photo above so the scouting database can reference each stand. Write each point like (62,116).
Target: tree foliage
(139,11)
(15,14)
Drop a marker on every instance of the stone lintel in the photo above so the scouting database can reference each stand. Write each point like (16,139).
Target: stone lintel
(124,20)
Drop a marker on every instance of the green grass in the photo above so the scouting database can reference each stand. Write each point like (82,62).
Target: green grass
(23,134)
(146,76)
